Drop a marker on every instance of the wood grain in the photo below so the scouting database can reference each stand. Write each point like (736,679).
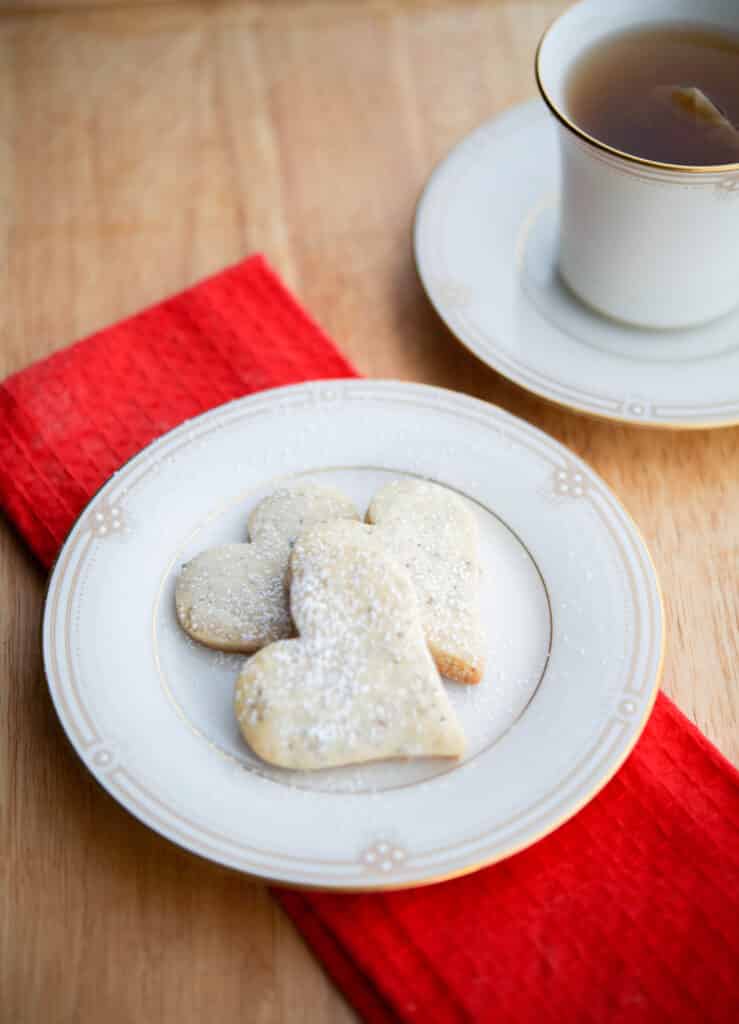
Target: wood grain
(141,147)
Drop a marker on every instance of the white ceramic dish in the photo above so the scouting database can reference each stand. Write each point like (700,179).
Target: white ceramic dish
(571,605)
(486,248)
(648,243)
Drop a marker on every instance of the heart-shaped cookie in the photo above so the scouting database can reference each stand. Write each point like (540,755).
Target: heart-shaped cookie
(358,684)
(235,597)
(432,532)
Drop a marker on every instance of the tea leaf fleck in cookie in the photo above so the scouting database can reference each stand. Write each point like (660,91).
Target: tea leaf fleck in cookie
(235,597)
(358,684)
(432,532)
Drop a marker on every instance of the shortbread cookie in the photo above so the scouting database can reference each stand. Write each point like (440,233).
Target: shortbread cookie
(235,597)
(358,684)
(431,531)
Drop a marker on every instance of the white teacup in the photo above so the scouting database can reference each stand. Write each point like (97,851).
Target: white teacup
(648,243)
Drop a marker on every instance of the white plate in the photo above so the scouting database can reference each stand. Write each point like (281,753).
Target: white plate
(571,606)
(485,243)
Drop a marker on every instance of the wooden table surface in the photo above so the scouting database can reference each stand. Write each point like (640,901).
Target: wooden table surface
(142,146)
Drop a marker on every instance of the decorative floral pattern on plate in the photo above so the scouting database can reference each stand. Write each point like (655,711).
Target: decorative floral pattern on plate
(383,856)
(569,483)
(108,520)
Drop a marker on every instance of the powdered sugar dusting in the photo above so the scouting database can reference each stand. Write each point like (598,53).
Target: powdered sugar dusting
(235,596)
(432,532)
(517,626)
(359,684)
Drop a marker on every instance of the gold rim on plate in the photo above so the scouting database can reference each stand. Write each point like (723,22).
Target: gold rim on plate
(168,819)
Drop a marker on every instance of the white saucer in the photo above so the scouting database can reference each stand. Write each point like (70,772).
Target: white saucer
(570,603)
(485,244)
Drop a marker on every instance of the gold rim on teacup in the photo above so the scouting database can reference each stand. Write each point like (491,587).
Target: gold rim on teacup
(580,133)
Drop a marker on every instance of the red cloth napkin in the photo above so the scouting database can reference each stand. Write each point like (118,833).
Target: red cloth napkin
(627,913)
